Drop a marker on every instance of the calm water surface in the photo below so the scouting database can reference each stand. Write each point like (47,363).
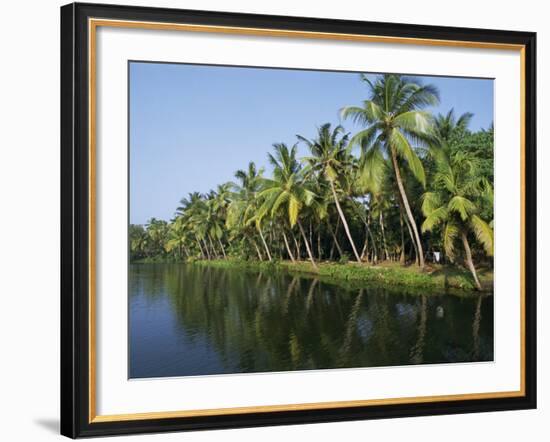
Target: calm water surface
(191,320)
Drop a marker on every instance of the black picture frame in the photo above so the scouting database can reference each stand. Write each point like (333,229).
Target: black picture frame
(75,195)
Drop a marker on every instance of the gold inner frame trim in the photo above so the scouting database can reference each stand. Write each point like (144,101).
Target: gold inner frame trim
(93,24)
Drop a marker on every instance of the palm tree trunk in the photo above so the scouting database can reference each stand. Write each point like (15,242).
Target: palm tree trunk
(319,251)
(336,243)
(311,234)
(222,247)
(402,257)
(469,260)
(413,242)
(307,245)
(384,236)
(214,251)
(260,257)
(408,211)
(364,250)
(200,247)
(265,244)
(297,246)
(288,247)
(344,222)
(374,248)
(366,221)
(207,251)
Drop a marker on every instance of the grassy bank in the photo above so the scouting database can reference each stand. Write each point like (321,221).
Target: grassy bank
(436,277)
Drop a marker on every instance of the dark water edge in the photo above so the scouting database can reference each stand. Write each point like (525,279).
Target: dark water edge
(187,320)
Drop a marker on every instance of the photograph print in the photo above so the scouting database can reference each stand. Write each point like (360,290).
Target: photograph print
(287,219)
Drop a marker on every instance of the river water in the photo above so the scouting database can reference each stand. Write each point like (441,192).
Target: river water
(187,319)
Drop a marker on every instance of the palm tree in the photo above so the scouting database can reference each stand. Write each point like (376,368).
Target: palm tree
(330,159)
(242,211)
(446,125)
(287,192)
(455,203)
(177,238)
(194,211)
(138,241)
(393,119)
(157,231)
(370,183)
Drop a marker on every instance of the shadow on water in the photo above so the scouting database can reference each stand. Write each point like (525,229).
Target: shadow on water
(197,320)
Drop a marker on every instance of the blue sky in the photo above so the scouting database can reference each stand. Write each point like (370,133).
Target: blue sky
(192,127)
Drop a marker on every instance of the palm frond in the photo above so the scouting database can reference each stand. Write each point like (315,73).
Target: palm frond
(450,233)
(461,205)
(484,233)
(404,149)
(430,202)
(414,121)
(435,218)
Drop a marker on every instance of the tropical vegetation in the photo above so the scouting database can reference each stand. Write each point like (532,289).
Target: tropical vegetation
(408,189)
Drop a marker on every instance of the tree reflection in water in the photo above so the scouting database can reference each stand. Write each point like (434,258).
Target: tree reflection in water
(193,320)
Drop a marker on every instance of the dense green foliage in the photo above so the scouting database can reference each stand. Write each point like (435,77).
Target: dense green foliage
(407,187)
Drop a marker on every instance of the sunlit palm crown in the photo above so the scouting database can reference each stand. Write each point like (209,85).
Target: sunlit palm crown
(394,118)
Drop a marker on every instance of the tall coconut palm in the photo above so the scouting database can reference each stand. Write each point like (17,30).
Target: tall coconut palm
(394,118)
(287,191)
(369,184)
(454,205)
(330,157)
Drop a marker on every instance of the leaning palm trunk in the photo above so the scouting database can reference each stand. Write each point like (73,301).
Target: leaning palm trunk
(366,221)
(413,242)
(469,260)
(311,233)
(296,245)
(222,247)
(264,243)
(214,251)
(336,243)
(200,247)
(408,211)
(257,249)
(208,255)
(344,222)
(365,249)
(288,247)
(307,245)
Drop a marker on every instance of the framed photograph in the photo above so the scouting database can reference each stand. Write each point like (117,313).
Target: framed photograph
(275,220)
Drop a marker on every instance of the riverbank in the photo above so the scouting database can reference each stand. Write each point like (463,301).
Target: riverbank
(386,274)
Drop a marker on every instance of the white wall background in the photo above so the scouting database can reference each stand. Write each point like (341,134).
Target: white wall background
(29,221)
